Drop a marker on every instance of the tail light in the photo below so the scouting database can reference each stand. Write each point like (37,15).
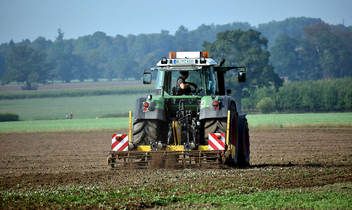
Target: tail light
(216,105)
(145,105)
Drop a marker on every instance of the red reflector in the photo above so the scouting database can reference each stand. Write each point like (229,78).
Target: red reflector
(146,104)
(215,103)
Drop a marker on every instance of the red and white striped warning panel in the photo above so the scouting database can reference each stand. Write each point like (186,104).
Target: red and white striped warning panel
(119,142)
(216,141)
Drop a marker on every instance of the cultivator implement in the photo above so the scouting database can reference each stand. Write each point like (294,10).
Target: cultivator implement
(166,159)
(218,153)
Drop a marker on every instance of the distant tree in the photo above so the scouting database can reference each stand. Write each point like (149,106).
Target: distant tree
(266,105)
(41,43)
(324,52)
(293,27)
(182,39)
(250,103)
(333,47)
(2,64)
(60,35)
(4,50)
(79,68)
(24,64)
(285,57)
(121,67)
(96,68)
(245,48)
(201,34)
(66,65)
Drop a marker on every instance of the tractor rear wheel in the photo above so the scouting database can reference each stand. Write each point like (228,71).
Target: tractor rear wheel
(243,143)
(146,132)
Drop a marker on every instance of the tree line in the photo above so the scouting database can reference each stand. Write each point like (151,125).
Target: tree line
(295,49)
(323,52)
(101,56)
(302,96)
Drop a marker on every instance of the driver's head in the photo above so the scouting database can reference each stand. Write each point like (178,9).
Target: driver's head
(184,74)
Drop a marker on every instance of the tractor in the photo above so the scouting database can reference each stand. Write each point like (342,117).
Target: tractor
(194,126)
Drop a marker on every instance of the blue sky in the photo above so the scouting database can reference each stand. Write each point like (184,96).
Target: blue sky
(21,19)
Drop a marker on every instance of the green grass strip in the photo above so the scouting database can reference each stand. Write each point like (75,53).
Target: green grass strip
(336,196)
(274,199)
(301,120)
(64,125)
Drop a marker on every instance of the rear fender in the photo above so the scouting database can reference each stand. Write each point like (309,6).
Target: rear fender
(207,110)
(155,110)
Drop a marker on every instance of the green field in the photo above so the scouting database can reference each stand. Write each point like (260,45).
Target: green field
(48,113)
(75,92)
(64,125)
(255,121)
(84,107)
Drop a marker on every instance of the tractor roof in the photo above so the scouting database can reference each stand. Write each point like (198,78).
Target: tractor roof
(189,61)
(186,60)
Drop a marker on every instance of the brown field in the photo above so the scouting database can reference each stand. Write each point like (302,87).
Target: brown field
(280,159)
(73,155)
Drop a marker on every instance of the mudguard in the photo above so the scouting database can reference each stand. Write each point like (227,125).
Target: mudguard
(207,110)
(152,112)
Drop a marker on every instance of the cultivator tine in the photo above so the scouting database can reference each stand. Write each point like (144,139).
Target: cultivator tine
(165,159)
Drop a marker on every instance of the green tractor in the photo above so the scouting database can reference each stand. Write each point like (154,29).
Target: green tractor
(199,118)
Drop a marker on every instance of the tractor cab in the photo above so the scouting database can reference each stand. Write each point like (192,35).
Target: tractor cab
(203,71)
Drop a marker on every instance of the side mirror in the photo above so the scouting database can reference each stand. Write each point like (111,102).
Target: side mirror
(241,76)
(147,77)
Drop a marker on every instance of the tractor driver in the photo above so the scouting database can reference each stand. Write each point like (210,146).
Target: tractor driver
(183,87)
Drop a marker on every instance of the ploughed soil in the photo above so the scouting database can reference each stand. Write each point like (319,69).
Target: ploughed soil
(280,159)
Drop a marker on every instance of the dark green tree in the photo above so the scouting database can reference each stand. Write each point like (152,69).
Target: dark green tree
(66,65)
(285,57)
(4,50)
(333,46)
(245,48)
(293,27)
(182,39)
(41,44)
(24,64)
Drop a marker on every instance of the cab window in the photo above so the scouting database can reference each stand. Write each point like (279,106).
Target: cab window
(210,80)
